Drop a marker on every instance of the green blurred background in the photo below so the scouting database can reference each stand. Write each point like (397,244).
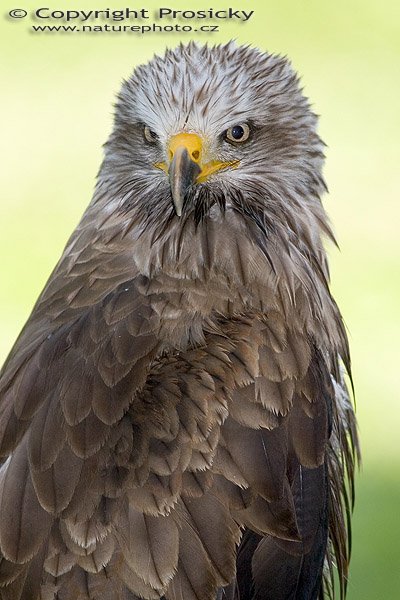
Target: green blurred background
(57,94)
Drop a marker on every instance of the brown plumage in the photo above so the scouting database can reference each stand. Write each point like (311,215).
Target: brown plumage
(174,420)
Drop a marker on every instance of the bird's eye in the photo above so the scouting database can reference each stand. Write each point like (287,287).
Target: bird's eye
(238,133)
(149,135)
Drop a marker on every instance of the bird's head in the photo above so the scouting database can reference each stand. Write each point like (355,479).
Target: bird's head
(204,126)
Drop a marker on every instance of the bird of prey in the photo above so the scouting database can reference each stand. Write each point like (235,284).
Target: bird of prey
(174,420)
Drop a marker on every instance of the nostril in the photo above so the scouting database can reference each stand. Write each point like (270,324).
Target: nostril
(196,154)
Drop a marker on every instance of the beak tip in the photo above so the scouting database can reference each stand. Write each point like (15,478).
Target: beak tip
(177,202)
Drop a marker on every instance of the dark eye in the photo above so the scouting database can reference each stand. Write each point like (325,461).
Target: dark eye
(149,135)
(238,133)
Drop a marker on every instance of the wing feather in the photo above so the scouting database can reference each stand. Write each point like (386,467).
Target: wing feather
(150,546)
(24,523)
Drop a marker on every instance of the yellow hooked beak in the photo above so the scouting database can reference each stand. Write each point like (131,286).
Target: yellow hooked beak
(186,166)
